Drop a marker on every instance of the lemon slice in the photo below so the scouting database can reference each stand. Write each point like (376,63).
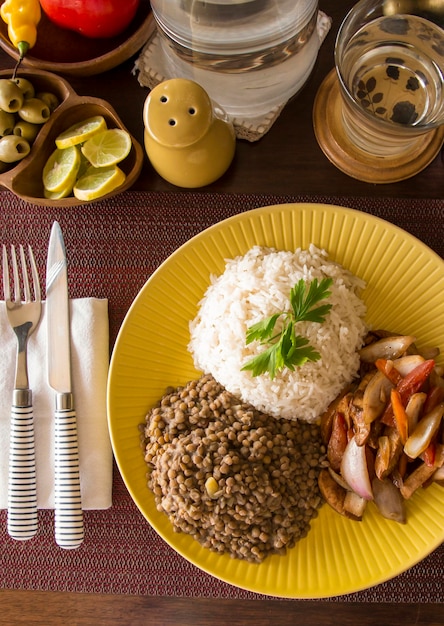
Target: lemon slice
(61,169)
(85,165)
(107,148)
(96,183)
(80,132)
(57,195)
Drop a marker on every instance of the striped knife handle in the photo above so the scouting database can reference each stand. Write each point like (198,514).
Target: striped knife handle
(69,531)
(22,493)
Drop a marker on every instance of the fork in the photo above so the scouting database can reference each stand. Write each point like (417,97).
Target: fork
(23,316)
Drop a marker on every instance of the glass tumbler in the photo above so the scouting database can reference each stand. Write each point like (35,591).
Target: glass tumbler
(389,62)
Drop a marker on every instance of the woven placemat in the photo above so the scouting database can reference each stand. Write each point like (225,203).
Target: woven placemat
(114,246)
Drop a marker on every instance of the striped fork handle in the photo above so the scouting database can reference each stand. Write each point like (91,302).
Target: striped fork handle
(69,531)
(22,492)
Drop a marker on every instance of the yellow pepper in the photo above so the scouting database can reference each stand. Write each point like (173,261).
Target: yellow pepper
(22,17)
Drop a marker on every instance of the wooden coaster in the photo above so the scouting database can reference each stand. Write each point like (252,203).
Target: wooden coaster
(327,123)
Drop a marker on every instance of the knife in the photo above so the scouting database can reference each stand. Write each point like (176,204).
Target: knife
(69,531)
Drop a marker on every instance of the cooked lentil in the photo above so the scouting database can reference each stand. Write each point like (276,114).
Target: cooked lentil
(237,480)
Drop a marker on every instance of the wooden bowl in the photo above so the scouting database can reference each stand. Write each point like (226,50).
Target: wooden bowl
(25,179)
(67,52)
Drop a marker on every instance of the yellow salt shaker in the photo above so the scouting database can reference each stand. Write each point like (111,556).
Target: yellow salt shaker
(188,138)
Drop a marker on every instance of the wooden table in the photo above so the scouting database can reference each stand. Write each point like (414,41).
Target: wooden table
(286,162)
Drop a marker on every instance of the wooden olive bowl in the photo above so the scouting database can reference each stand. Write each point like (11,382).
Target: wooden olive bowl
(64,51)
(25,178)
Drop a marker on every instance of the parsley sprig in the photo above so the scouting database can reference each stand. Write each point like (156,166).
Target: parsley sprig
(286,348)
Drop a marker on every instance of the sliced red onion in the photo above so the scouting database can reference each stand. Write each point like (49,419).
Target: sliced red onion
(424,432)
(354,469)
(386,348)
(407,364)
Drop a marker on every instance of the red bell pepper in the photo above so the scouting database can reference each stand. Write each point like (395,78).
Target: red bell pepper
(429,454)
(407,386)
(434,397)
(92,18)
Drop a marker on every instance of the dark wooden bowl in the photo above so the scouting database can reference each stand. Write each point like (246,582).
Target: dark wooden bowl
(66,52)
(25,179)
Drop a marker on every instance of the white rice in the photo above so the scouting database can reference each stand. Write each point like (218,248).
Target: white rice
(255,286)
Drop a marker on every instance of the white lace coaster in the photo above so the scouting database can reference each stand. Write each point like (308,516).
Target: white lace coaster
(151,71)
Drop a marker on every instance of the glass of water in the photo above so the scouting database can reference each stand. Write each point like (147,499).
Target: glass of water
(389,61)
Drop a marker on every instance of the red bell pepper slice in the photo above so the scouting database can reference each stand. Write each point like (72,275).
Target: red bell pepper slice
(407,386)
(434,397)
(429,454)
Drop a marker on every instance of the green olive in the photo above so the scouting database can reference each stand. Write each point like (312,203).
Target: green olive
(7,122)
(11,96)
(13,148)
(49,98)
(26,130)
(34,111)
(26,87)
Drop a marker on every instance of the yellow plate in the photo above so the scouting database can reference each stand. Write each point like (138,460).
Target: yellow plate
(404,293)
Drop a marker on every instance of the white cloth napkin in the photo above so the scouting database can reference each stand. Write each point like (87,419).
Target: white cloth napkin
(90,361)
